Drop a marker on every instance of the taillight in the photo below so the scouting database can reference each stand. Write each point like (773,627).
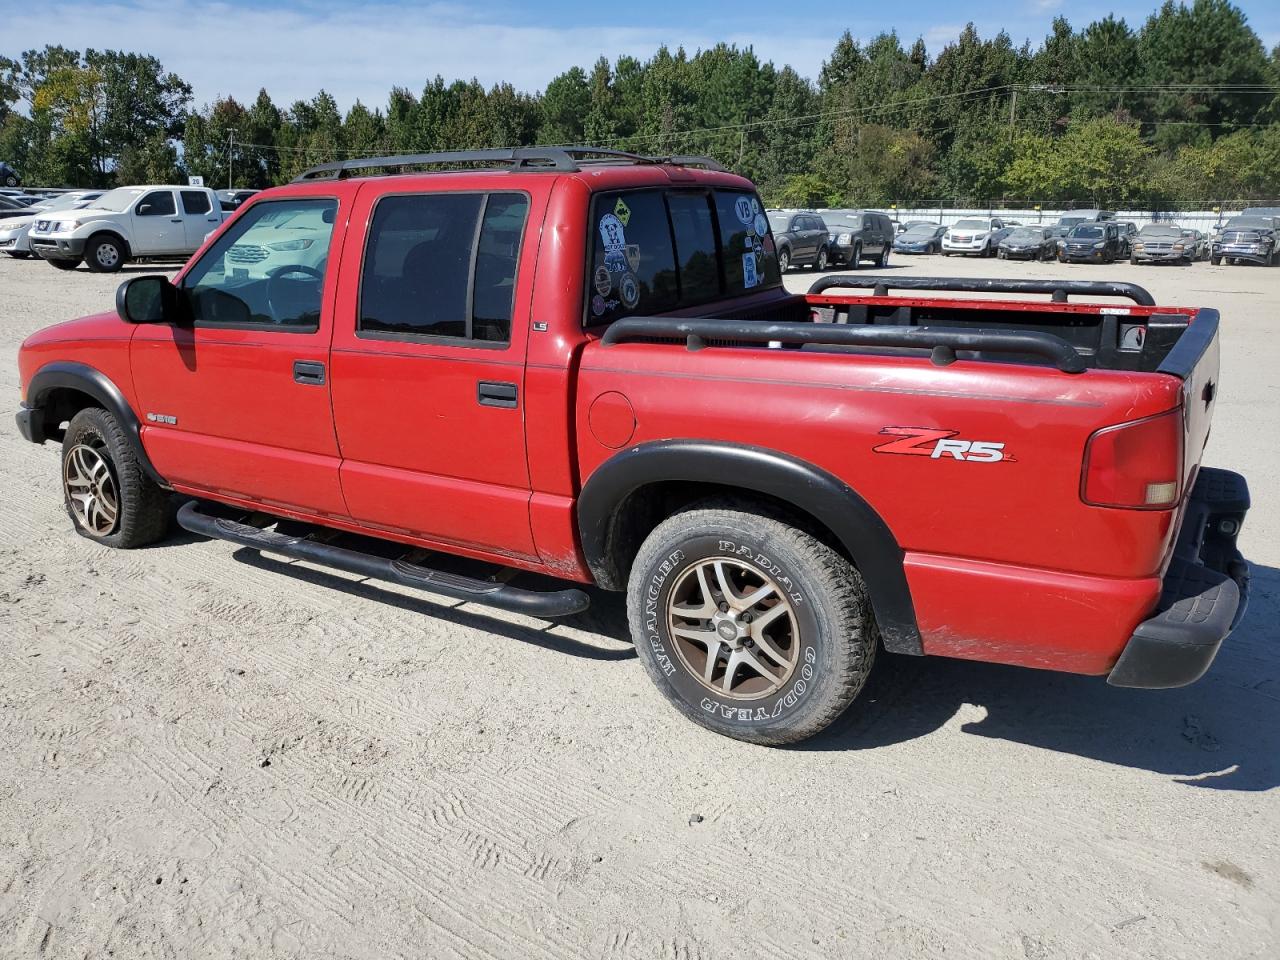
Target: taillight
(1137,465)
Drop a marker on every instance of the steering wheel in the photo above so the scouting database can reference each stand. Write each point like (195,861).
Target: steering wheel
(276,274)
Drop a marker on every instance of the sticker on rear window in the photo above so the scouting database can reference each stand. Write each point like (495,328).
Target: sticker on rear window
(762,224)
(742,207)
(629,290)
(614,237)
(603,282)
(622,212)
(749,278)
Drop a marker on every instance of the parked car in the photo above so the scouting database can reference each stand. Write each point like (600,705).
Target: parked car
(1128,231)
(801,239)
(15,233)
(1091,242)
(920,237)
(904,227)
(127,223)
(13,207)
(975,236)
(1250,239)
(1028,243)
(8,176)
(232,199)
(1158,242)
(1199,243)
(1273,212)
(1076,217)
(529,401)
(858,235)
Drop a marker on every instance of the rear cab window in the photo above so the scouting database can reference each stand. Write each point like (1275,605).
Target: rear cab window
(663,249)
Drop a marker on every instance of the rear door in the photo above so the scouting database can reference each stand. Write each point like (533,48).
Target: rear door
(198,217)
(428,363)
(157,227)
(238,404)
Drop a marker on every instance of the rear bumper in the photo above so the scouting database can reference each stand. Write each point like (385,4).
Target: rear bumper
(1205,591)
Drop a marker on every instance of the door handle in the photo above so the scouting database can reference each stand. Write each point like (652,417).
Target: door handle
(176,220)
(495,394)
(309,372)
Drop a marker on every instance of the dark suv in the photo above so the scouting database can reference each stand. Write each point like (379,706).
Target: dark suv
(801,238)
(858,235)
(1093,242)
(8,176)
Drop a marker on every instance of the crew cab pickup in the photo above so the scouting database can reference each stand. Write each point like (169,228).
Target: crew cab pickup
(128,223)
(509,366)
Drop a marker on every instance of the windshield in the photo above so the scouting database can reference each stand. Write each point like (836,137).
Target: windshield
(970,225)
(1027,234)
(68,201)
(1070,221)
(1087,233)
(119,199)
(1154,231)
(921,230)
(1250,223)
(779,222)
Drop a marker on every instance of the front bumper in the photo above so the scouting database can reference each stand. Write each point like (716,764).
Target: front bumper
(1205,591)
(55,248)
(1022,253)
(1082,256)
(31,424)
(1243,253)
(1157,255)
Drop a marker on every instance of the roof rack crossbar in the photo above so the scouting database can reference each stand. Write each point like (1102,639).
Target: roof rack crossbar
(522,159)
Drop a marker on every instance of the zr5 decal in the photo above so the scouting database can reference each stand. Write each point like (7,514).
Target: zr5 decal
(935,444)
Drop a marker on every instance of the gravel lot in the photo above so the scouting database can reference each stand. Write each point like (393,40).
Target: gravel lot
(207,752)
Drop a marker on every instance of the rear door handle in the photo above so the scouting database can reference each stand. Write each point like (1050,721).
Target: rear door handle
(492,393)
(309,372)
(176,220)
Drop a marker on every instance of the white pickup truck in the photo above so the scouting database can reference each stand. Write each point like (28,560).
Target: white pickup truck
(128,223)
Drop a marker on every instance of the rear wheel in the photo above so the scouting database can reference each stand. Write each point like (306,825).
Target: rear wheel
(1215,260)
(11,181)
(884,258)
(104,253)
(784,260)
(108,496)
(821,262)
(750,627)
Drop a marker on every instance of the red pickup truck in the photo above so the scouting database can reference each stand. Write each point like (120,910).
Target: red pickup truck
(583,364)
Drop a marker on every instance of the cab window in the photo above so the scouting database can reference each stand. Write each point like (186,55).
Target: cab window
(654,251)
(157,203)
(442,265)
(195,202)
(267,270)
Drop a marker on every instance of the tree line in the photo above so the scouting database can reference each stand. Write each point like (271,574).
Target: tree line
(1184,108)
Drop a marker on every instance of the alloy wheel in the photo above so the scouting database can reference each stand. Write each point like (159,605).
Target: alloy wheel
(733,628)
(91,489)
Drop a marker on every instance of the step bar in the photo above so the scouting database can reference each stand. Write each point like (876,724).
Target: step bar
(535,603)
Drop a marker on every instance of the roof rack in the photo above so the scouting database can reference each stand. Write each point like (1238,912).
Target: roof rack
(519,159)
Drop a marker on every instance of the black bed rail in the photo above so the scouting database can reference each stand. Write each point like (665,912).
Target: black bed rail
(943,341)
(1058,289)
(518,159)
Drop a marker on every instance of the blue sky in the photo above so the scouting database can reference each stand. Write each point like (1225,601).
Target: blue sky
(360,51)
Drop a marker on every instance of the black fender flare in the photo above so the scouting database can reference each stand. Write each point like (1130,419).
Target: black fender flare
(831,501)
(67,374)
(116,235)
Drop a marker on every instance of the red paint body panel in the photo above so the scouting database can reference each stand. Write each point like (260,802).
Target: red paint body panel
(1004,560)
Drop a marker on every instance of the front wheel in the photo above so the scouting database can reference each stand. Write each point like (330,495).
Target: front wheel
(107,494)
(1215,260)
(750,627)
(10,181)
(104,254)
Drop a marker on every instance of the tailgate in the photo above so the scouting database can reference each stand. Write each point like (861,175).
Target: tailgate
(1194,360)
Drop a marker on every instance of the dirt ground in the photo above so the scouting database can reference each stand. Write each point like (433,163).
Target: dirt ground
(205,752)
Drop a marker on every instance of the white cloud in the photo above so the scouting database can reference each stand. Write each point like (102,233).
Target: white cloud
(360,52)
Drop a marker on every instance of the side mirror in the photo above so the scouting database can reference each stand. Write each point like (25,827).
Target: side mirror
(144,209)
(150,299)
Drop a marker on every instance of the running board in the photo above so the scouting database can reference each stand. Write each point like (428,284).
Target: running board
(549,603)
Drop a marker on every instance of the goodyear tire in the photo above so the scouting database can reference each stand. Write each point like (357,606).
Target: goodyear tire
(108,496)
(752,628)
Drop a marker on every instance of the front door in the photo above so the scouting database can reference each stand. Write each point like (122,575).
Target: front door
(428,366)
(157,227)
(237,403)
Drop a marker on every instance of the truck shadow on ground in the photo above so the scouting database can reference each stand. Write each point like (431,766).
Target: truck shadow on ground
(1221,733)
